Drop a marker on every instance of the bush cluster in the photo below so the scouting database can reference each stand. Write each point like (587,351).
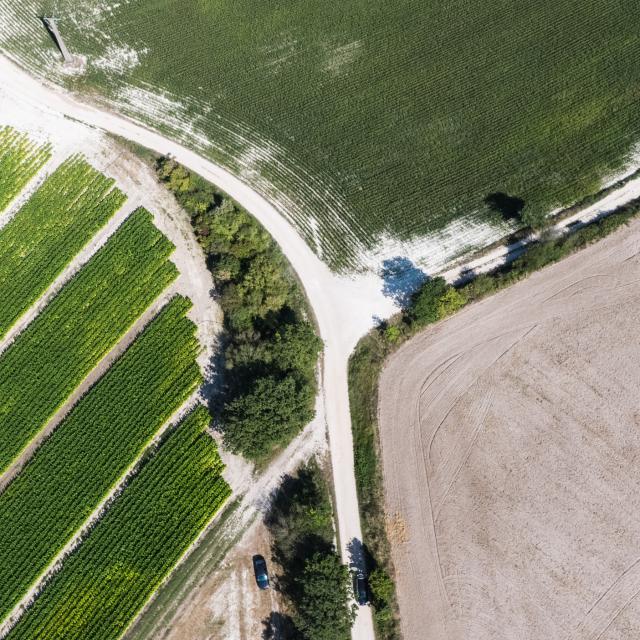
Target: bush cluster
(315,583)
(272,348)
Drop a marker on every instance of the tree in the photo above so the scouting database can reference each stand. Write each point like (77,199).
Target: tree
(450,302)
(269,415)
(261,290)
(323,611)
(296,348)
(425,303)
(293,348)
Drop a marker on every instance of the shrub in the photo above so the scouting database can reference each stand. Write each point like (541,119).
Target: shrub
(450,302)
(425,302)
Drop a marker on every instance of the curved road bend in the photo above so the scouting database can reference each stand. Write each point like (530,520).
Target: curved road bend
(343,307)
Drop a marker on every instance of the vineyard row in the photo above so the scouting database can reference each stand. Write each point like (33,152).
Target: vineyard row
(49,230)
(85,457)
(82,323)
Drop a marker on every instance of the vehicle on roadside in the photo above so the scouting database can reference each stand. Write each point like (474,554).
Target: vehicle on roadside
(360,588)
(260,571)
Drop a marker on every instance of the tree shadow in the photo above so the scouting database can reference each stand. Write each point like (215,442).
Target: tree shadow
(401,278)
(277,626)
(357,559)
(509,207)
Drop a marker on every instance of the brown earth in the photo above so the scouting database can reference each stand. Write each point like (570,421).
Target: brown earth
(510,438)
(229,605)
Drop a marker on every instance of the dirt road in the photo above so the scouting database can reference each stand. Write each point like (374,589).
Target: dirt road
(344,307)
(510,439)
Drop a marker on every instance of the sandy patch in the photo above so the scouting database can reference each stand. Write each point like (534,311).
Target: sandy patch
(230,606)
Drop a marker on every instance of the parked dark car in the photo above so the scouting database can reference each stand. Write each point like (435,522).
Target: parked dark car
(260,571)
(360,588)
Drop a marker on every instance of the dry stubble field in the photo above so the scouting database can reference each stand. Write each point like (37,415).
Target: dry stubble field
(510,439)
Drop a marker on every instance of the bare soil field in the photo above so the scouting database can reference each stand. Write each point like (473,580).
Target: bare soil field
(510,438)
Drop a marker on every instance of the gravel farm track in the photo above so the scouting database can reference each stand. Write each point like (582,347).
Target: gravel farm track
(345,306)
(510,437)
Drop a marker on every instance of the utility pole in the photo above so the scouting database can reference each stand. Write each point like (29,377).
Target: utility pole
(51,23)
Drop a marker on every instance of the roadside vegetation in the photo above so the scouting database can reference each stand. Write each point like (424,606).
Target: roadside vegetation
(58,220)
(20,160)
(124,558)
(84,458)
(434,301)
(78,327)
(270,347)
(316,586)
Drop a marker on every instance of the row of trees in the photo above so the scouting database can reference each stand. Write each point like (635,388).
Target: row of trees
(271,347)
(312,578)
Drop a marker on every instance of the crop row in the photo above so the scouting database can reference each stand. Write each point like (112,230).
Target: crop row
(84,458)
(49,230)
(20,160)
(59,348)
(103,585)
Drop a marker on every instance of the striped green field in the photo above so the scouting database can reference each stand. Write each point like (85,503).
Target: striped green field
(48,231)
(367,117)
(20,160)
(103,585)
(78,327)
(84,458)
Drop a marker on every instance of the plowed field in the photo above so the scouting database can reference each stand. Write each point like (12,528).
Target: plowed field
(510,441)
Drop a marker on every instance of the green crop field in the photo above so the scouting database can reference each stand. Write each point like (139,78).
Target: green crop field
(20,160)
(83,459)
(48,231)
(105,583)
(59,348)
(366,117)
